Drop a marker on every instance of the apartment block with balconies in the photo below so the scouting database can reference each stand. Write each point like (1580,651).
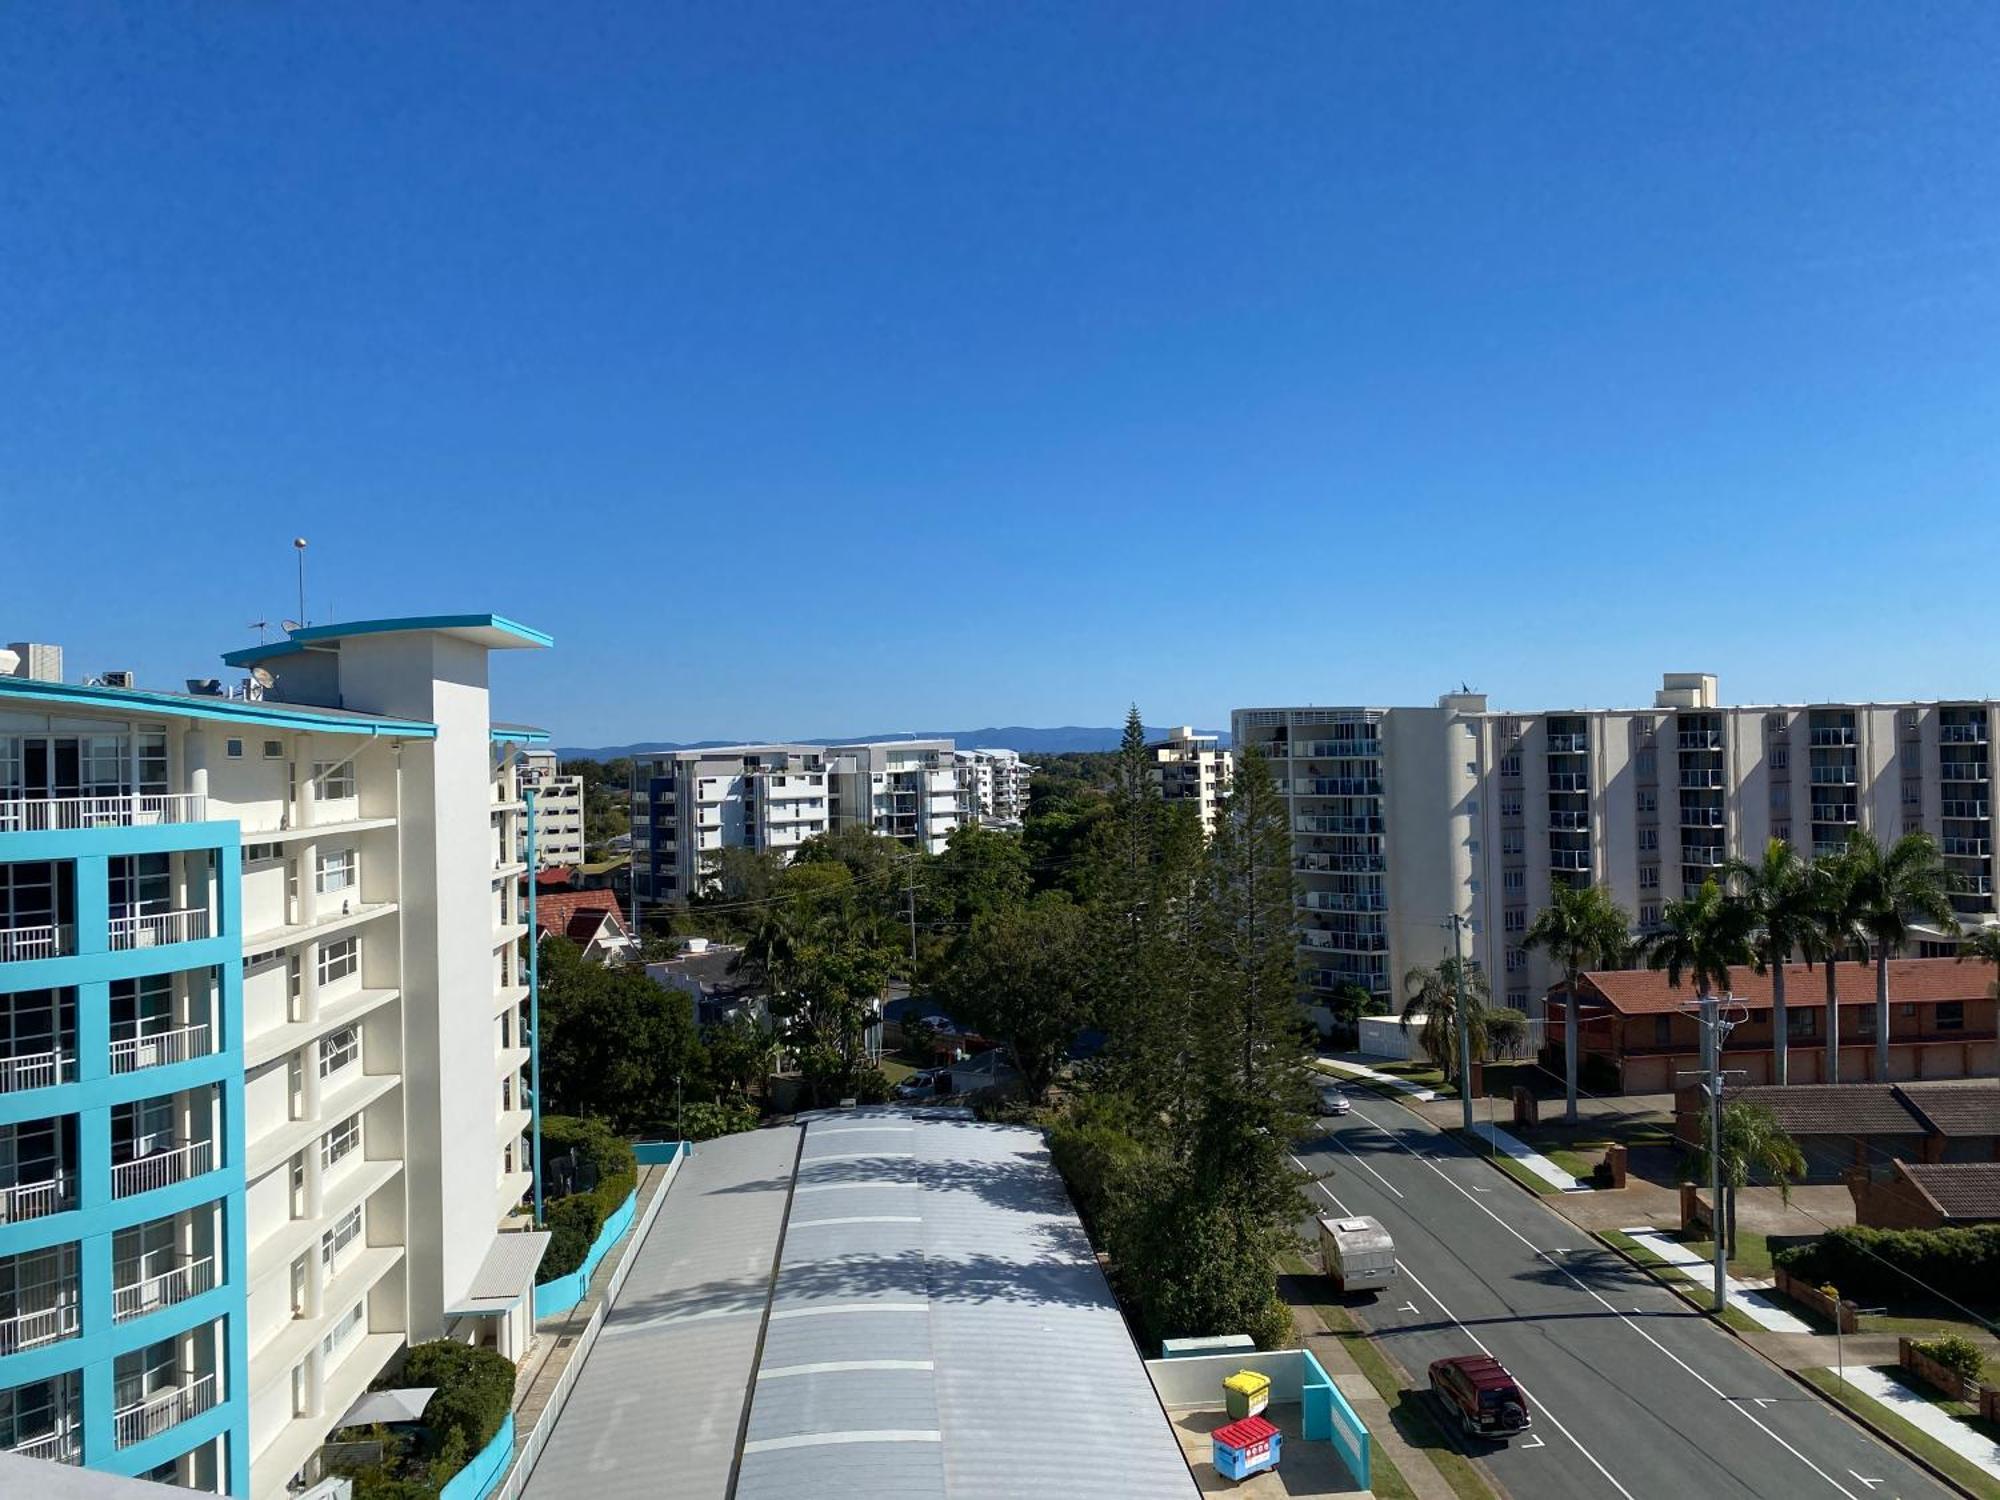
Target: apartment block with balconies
(558,809)
(238,938)
(1192,769)
(1484,812)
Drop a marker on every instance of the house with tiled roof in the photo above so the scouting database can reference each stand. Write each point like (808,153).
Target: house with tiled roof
(1927,1195)
(593,920)
(1642,1031)
(1844,1127)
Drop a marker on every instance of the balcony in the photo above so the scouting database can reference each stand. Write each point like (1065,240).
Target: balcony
(162,1168)
(48,940)
(1965,770)
(63,1446)
(163,1411)
(35,1200)
(1838,736)
(1967,846)
(134,1299)
(1707,781)
(1962,734)
(1834,776)
(1569,822)
(1702,856)
(1569,859)
(1568,781)
(1701,817)
(139,810)
(1700,739)
(182,1044)
(46,1325)
(156,929)
(1309,823)
(1569,744)
(1957,807)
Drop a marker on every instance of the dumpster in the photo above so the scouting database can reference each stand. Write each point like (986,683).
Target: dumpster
(1246,1447)
(1246,1393)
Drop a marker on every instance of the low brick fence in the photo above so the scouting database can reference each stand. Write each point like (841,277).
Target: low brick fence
(1836,1310)
(1947,1380)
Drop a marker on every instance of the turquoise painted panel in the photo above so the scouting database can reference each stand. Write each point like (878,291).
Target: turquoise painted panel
(482,1475)
(1328,1416)
(659,1153)
(565,1292)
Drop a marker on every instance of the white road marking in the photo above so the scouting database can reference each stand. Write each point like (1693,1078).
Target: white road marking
(1734,1405)
(1411,1308)
(1365,1166)
(1532,1442)
(1871,1483)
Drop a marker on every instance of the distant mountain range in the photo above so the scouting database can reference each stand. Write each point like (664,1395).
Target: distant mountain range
(1062,740)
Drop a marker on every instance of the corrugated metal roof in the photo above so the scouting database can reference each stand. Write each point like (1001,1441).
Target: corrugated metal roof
(939,1328)
(508,1269)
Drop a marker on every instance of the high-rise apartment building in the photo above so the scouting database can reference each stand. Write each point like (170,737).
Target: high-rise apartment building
(558,809)
(263,1047)
(1192,768)
(992,786)
(1404,816)
(687,805)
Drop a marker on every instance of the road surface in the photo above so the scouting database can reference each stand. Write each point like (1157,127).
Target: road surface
(1635,1395)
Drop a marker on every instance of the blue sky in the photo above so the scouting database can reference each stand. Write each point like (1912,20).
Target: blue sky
(829,369)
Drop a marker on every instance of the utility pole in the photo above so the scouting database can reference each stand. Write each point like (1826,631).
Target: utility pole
(1715,1027)
(1464,1008)
(299,546)
(534,1011)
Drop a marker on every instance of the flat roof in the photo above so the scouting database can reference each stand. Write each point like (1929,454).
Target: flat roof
(526,734)
(266,711)
(495,632)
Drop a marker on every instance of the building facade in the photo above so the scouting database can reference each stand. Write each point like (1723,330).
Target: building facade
(1403,817)
(239,936)
(558,810)
(1193,769)
(688,805)
(992,786)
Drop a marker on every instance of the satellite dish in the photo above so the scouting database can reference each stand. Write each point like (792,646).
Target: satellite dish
(205,687)
(288,626)
(262,676)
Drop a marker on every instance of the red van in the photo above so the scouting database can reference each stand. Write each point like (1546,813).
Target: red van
(1479,1389)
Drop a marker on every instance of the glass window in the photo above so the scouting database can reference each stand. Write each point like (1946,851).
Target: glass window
(335,779)
(1951,1016)
(340,1141)
(339,959)
(338,1050)
(346,1230)
(338,871)
(233,749)
(274,749)
(1663,1031)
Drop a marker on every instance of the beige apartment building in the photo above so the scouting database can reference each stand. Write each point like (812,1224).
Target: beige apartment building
(1192,768)
(1402,817)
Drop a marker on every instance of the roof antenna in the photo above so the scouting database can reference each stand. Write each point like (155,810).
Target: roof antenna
(260,626)
(299,545)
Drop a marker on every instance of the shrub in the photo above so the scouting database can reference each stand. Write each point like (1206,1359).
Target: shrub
(475,1387)
(1955,1352)
(1895,1265)
(597,1151)
(575,1222)
(705,1121)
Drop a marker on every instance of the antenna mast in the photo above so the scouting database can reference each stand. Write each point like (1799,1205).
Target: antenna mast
(299,546)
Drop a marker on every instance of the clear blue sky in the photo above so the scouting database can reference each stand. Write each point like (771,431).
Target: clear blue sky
(837,368)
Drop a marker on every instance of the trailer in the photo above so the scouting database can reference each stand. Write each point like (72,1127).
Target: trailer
(1357,1253)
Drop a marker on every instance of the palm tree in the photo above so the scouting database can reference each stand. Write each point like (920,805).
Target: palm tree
(1982,943)
(1580,926)
(1703,936)
(1893,887)
(1776,891)
(1752,1142)
(1836,934)
(1432,997)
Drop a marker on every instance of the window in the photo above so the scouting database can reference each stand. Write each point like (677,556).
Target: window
(339,1141)
(274,749)
(1510,841)
(1801,1021)
(1510,804)
(1649,839)
(1649,802)
(1649,915)
(1647,762)
(341,1331)
(297,1185)
(1515,919)
(1781,757)
(298,1289)
(1510,765)
(1950,1015)
(339,959)
(1513,880)
(338,871)
(258,854)
(346,1230)
(1649,877)
(301,1389)
(338,1050)
(1782,832)
(1517,959)
(336,779)
(1663,1031)
(233,749)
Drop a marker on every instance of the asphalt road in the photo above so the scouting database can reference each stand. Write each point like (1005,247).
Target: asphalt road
(1634,1394)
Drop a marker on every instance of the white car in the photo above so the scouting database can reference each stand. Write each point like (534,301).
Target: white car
(1333,1102)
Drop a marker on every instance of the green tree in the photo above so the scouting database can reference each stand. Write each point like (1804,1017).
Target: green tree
(981,870)
(1022,977)
(1703,937)
(1893,887)
(1778,892)
(1349,1003)
(1982,944)
(837,979)
(1753,1144)
(739,1053)
(1431,996)
(612,1040)
(1833,897)
(1580,926)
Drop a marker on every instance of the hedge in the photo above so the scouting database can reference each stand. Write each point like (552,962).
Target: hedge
(474,1388)
(1897,1265)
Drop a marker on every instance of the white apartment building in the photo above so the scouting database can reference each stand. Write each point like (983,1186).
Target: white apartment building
(1403,816)
(558,810)
(264,1047)
(689,804)
(1192,768)
(992,785)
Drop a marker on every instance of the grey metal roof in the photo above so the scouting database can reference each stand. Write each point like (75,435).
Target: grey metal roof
(507,1271)
(939,1328)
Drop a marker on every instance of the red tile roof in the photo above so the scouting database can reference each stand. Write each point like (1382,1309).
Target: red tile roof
(1966,1191)
(1244,1432)
(1947,1107)
(576,914)
(1917,981)
(557,876)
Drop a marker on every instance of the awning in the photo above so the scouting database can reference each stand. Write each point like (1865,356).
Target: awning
(505,1276)
(406,1405)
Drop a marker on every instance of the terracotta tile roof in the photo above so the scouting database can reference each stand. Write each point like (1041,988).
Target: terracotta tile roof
(1948,1107)
(577,914)
(1919,981)
(1967,1107)
(1961,1190)
(557,876)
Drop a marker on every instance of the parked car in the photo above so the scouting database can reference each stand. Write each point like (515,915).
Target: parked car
(925,1084)
(1478,1388)
(1358,1253)
(1332,1101)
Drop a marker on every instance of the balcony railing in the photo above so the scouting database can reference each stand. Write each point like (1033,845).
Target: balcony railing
(34,1070)
(163,1411)
(1569,822)
(162,1168)
(1568,781)
(1965,770)
(1967,846)
(59,1447)
(136,1298)
(19,944)
(1707,781)
(44,814)
(1701,817)
(1838,736)
(1834,776)
(1569,859)
(1569,744)
(130,1054)
(1962,734)
(1702,856)
(30,1330)
(1961,807)
(154,929)
(1700,739)
(33,1200)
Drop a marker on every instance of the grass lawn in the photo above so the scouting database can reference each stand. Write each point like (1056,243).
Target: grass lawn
(1698,1294)
(1964,1473)
(1923,1323)
(1580,1150)
(895,1071)
(1478,1146)
(1751,1260)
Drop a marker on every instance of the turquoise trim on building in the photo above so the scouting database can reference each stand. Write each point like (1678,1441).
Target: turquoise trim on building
(486,1468)
(513,634)
(519,734)
(660,1153)
(90,1097)
(565,1292)
(267,712)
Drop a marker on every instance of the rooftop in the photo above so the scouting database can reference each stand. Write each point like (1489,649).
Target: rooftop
(269,712)
(495,632)
(1916,981)
(1958,1190)
(1948,1107)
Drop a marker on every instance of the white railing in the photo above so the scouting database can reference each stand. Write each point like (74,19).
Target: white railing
(158,1413)
(164,1290)
(29,1330)
(34,1070)
(59,1447)
(18,944)
(31,1200)
(133,1053)
(152,929)
(43,814)
(161,1168)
